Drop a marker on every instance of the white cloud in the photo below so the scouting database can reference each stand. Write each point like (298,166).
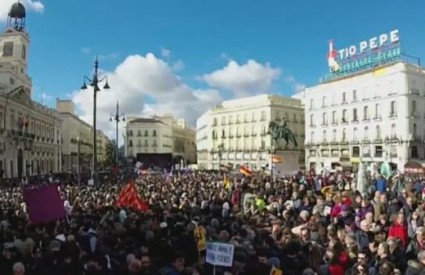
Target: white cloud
(165,53)
(144,85)
(30,5)
(249,78)
(178,66)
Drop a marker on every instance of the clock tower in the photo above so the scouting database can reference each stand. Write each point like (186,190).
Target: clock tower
(14,44)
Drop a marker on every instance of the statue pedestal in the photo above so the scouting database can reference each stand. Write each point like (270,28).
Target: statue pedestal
(290,162)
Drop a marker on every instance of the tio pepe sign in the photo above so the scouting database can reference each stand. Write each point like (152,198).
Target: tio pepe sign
(379,50)
(373,43)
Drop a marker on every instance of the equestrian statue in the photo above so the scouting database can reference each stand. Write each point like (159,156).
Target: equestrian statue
(281,131)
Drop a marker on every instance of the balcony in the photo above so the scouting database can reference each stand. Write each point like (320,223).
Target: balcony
(21,134)
(377,140)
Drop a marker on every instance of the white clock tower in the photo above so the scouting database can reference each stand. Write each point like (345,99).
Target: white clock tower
(14,44)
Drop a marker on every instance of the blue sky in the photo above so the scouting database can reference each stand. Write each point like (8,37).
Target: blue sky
(202,37)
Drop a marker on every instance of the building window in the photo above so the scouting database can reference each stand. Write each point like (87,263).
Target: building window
(414,131)
(253,117)
(324,136)
(365,113)
(263,116)
(324,119)
(311,120)
(324,101)
(154,133)
(130,143)
(334,117)
(378,132)
(223,121)
(413,108)
(312,137)
(215,122)
(146,133)
(355,134)
(355,118)
(393,130)
(414,152)
(344,116)
(354,95)
(393,109)
(334,135)
(366,133)
(214,134)
(311,104)
(377,111)
(379,152)
(344,97)
(230,119)
(356,152)
(344,135)
(146,143)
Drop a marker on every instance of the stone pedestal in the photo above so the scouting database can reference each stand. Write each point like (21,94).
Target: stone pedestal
(290,162)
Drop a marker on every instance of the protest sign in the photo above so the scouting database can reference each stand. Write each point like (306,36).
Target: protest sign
(220,254)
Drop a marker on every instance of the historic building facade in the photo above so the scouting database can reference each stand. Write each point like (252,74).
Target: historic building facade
(160,135)
(236,132)
(105,149)
(370,117)
(30,133)
(77,139)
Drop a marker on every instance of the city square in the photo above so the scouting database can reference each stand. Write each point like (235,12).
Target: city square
(239,151)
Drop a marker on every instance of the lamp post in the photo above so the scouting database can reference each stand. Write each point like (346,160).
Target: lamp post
(78,161)
(117,117)
(94,82)
(220,148)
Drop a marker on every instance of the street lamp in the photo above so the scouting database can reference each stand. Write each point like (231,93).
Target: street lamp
(78,161)
(220,148)
(94,82)
(117,117)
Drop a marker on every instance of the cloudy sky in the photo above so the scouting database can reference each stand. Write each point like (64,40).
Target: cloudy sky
(183,57)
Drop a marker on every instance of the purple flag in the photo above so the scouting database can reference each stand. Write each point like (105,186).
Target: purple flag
(44,204)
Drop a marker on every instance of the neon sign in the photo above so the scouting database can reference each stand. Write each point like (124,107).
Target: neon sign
(367,54)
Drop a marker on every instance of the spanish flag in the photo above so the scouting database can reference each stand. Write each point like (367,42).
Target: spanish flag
(276,159)
(245,171)
(129,198)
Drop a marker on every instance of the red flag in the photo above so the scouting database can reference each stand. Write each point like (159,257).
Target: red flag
(129,198)
(245,171)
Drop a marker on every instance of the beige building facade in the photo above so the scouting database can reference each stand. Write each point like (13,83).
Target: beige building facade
(77,138)
(30,133)
(160,135)
(236,132)
(104,148)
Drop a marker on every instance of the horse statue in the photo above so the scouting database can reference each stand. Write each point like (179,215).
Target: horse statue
(281,131)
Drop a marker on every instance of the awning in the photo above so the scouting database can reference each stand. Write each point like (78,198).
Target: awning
(414,167)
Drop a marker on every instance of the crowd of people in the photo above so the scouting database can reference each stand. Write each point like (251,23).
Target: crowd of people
(300,224)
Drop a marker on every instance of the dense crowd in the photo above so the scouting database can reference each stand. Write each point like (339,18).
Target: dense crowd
(303,224)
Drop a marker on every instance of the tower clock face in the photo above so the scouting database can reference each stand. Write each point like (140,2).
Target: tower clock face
(8,49)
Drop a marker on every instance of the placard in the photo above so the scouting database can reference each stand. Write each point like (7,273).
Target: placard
(220,254)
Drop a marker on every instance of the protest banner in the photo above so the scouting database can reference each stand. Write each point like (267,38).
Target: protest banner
(220,254)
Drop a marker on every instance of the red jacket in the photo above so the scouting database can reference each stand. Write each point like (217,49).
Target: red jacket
(399,231)
(335,269)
